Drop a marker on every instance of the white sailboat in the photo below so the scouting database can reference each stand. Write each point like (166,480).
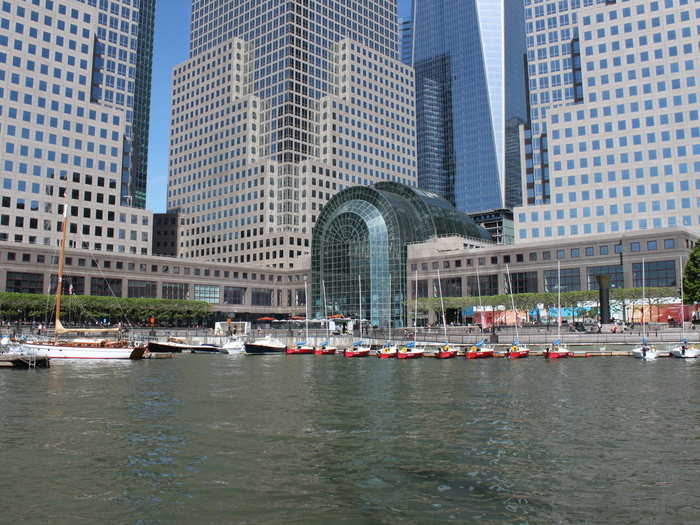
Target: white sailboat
(480,350)
(516,350)
(684,350)
(645,351)
(557,350)
(81,348)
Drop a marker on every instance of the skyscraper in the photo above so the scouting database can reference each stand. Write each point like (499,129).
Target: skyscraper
(622,150)
(74,98)
(470,80)
(406,38)
(276,111)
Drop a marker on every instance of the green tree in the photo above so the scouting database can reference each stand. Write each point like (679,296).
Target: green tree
(691,277)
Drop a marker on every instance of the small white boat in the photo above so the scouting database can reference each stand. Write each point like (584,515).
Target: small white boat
(85,349)
(265,345)
(235,345)
(685,351)
(645,351)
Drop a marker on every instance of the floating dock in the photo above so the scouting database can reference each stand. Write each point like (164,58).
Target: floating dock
(23,361)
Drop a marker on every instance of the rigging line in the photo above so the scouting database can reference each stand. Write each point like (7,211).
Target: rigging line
(106,281)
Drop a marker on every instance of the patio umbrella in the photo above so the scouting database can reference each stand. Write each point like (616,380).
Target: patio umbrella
(266,319)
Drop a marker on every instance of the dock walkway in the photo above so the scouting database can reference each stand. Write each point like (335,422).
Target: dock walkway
(26,361)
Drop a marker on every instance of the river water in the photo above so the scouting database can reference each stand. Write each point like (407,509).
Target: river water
(322,439)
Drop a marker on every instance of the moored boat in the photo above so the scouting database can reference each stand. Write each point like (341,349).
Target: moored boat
(358,349)
(300,348)
(235,345)
(517,351)
(685,351)
(478,351)
(179,347)
(265,345)
(79,348)
(556,351)
(325,349)
(388,351)
(445,352)
(410,351)
(645,351)
(85,349)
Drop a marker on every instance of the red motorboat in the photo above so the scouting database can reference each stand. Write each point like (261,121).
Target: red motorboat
(409,352)
(478,352)
(299,349)
(517,352)
(445,352)
(356,351)
(558,353)
(325,350)
(388,352)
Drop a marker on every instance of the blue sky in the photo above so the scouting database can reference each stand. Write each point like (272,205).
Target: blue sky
(170,48)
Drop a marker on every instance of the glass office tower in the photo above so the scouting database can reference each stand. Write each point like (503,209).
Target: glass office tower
(470,79)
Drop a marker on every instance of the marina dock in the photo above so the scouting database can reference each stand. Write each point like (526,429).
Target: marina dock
(11,360)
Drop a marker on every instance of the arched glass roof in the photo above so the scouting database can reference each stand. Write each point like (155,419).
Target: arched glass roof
(359,248)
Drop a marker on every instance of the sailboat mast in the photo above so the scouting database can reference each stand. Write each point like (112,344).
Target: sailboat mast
(415,312)
(644,298)
(478,290)
(325,311)
(682,301)
(442,305)
(306,307)
(61,258)
(359,285)
(558,299)
(390,312)
(512,302)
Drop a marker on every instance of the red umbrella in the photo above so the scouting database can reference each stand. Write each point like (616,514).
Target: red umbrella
(297,318)
(336,316)
(266,319)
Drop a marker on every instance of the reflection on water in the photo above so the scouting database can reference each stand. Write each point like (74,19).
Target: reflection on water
(304,439)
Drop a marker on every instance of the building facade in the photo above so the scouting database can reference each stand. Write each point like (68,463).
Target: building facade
(624,155)
(74,122)
(470,80)
(274,114)
(406,38)
(465,272)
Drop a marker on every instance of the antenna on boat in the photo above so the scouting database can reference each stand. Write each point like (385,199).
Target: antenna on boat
(682,301)
(325,311)
(558,299)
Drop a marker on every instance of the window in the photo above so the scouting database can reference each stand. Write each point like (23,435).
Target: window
(103,287)
(656,273)
(669,244)
(261,297)
(570,280)
(142,289)
(21,282)
(487,285)
(523,282)
(614,273)
(234,294)
(635,246)
(175,290)
(207,293)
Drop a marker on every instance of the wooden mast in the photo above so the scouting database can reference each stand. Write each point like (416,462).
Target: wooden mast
(61,261)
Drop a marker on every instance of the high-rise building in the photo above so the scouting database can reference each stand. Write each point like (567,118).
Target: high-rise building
(274,113)
(74,98)
(469,57)
(406,38)
(622,149)
(554,79)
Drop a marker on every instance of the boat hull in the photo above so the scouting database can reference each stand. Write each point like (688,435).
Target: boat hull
(518,354)
(356,353)
(690,353)
(324,351)
(556,355)
(445,354)
(305,350)
(386,355)
(59,351)
(479,354)
(260,349)
(409,355)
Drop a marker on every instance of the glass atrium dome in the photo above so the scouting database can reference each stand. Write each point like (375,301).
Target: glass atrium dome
(359,244)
